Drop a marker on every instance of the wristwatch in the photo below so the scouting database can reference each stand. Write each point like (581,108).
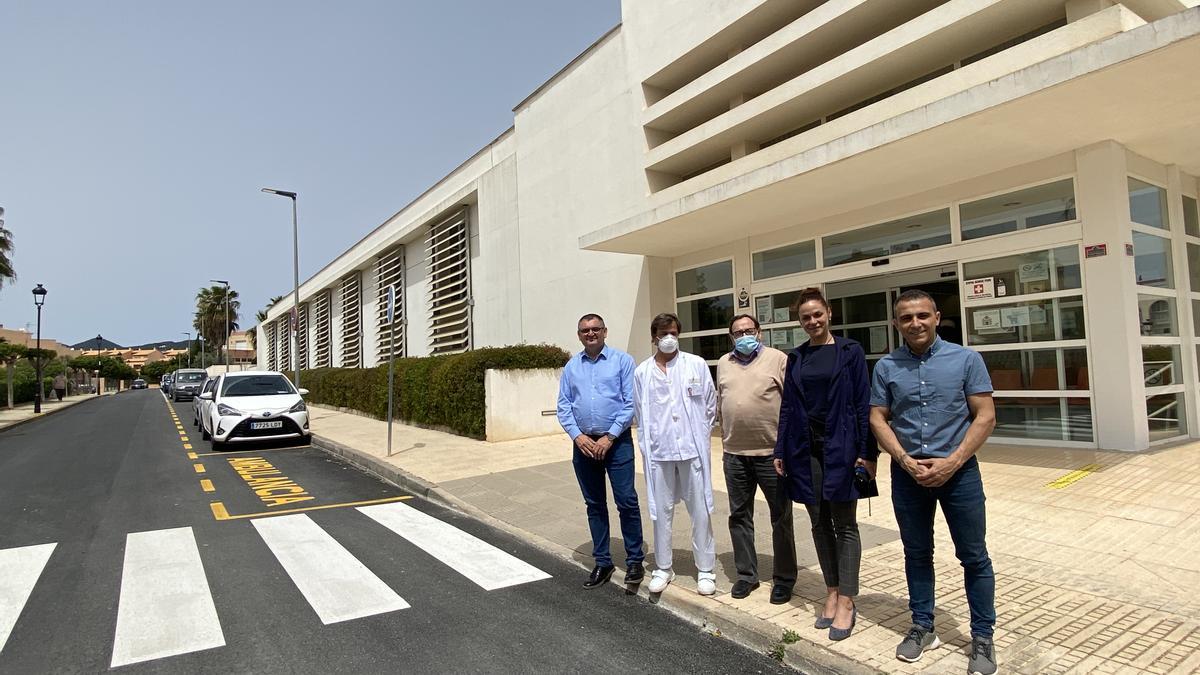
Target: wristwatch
(611,438)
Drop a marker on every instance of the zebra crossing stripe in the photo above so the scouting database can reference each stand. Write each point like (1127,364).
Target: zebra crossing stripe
(20,568)
(335,583)
(165,607)
(477,560)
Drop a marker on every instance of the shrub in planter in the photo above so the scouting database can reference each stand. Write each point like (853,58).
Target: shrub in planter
(444,391)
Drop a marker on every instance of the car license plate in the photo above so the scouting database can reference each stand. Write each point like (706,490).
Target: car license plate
(273,424)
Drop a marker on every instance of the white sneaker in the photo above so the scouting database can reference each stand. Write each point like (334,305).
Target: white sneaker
(659,580)
(706,583)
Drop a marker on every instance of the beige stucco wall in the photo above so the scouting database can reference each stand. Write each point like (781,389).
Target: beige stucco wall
(516,401)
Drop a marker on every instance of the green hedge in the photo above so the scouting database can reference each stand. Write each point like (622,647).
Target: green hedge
(433,391)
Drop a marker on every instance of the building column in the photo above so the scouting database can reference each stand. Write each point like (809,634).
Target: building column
(1110,291)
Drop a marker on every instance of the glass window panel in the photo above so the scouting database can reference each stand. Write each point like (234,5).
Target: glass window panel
(1196,319)
(1147,204)
(714,277)
(1020,210)
(1165,415)
(1198,363)
(1161,366)
(706,313)
(1193,254)
(707,347)
(865,308)
(906,234)
(777,308)
(1191,217)
(1025,273)
(784,339)
(790,259)
(1031,321)
(1152,260)
(1052,419)
(874,339)
(1038,369)
(1156,315)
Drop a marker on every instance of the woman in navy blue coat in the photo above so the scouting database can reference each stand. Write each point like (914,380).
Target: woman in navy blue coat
(824,434)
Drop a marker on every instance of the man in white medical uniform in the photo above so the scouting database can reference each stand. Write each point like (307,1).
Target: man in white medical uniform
(675,403)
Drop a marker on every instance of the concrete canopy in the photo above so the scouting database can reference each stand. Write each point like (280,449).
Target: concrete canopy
(1140,89)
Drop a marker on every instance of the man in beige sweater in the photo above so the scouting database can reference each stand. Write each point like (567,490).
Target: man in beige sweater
(749,393)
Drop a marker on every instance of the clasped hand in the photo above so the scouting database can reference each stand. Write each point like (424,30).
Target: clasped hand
(594,449)
(932,472)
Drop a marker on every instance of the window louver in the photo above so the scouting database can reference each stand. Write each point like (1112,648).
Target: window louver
(450,301)
(322,352)
(302,337)
(389,269)
(351,297)
(285,342)
(272,351)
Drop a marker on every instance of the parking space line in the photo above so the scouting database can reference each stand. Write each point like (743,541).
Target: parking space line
(199,468)
(207,485)
(241,452)
(220,513)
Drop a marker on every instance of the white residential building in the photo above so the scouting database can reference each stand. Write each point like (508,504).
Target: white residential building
(1031,163)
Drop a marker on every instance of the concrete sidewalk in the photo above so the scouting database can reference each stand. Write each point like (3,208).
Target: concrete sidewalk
(1097,554)
(23,413)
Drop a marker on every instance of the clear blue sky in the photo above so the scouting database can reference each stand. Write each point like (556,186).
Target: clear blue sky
(134,137)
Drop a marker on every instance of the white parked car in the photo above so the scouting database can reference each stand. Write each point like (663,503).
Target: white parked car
(202,407)
(255,405)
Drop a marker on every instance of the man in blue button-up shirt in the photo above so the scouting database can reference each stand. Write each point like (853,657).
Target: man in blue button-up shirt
(931,410)
(595,408)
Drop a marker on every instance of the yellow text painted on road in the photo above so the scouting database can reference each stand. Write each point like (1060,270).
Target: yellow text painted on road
(206,485)
(1073,477)
(221,513)
(268,483)
(199,468)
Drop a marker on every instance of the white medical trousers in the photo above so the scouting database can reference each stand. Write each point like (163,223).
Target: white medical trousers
(675,481)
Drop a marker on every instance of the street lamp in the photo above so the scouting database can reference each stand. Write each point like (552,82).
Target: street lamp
(99,341)
(39,298)
(200,338)
(295,279)
(226,283)
(189,347)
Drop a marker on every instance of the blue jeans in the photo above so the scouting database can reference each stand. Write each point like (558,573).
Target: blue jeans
(962,503)
(618,464)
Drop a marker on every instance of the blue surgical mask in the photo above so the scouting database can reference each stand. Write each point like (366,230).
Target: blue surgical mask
(746,344)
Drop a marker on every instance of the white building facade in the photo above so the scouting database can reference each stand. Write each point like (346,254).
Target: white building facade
(1031,163)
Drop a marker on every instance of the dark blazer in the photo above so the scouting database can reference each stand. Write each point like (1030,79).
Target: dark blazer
(847,430)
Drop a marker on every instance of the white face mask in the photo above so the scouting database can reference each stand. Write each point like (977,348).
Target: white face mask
(667,344)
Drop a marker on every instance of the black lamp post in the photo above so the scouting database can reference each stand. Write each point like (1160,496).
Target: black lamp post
(99,341)
(39,298)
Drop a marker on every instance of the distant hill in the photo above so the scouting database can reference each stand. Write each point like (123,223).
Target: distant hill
(91,344)
(163,344)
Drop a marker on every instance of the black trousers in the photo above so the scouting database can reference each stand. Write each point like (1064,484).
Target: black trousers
(743,477)
(834,528)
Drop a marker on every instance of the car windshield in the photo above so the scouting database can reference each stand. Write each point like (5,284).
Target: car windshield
(191,377)
(257,385)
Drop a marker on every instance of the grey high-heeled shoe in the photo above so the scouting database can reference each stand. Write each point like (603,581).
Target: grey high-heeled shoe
(823,622)
(837,634)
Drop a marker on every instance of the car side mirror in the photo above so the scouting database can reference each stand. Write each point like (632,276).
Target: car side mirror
(302,392)
(207,396)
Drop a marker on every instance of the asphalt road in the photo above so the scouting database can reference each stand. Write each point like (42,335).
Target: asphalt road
(146,574)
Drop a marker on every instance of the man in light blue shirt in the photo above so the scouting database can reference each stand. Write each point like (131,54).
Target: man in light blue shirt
(931,410)
(595,408)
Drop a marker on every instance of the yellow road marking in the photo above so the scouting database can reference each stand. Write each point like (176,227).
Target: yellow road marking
(187,446)
(199,468)
(1073,477)
(219,512)
(242,452)
(206,485)
(192,455)
(183,438)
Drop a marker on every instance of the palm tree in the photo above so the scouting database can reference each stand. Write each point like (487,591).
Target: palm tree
(261,315)
(7,273)
(10,353)
(210,315)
